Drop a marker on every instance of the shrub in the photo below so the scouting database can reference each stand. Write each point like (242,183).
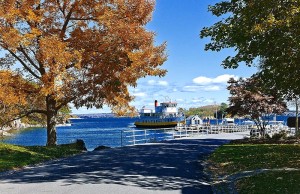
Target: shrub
(280,135)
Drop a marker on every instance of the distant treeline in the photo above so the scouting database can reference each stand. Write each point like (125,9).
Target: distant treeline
(211,111)
(95,115)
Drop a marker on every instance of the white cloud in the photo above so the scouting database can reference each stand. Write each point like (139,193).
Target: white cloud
(221,79)
(180,100)
(163,83)
(209,101)
(134,90)
(208,84)
(196,100)
(151,82)
(211,88)
(157,83)
(224,78)
(190,88)
(202,80)
(139,94)
(196,88)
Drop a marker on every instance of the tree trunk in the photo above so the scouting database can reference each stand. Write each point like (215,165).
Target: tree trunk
(51,121)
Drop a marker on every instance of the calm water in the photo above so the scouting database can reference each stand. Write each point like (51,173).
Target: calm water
(94,132)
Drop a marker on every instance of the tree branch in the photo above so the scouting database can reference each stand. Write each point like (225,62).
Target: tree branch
(29,59)
(24,64)
(64,28)
(64,103)
(60,8)
(83,19)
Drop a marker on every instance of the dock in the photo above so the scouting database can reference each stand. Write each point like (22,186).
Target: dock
(144,136)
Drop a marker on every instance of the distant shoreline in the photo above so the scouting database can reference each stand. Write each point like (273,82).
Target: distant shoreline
(7,131)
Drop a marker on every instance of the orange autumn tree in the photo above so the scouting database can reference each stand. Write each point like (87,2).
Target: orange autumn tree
(10,99)
(16,98)
(84,52)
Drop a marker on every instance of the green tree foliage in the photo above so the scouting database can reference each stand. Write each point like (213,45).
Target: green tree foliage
(207,111)
(221,111)
(264,30)
(267,29)
(286,80)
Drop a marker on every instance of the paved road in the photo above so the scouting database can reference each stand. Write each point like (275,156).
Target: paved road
(169,167)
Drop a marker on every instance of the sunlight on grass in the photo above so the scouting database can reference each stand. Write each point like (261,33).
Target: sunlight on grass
(234,158)
(12,156)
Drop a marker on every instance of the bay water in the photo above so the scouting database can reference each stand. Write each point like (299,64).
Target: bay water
(106,131)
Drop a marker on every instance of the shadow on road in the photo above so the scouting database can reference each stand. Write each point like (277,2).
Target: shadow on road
(171,165)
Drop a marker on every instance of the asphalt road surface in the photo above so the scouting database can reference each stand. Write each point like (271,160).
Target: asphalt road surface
(162,168)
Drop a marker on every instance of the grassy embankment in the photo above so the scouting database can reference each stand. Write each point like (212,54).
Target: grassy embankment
(14,157)
(274,168)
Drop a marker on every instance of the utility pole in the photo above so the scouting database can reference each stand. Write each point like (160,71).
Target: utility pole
(216,113)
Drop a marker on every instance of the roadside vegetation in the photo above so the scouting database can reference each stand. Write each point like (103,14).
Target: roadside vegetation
(258,166)
(263,34)
(14,157)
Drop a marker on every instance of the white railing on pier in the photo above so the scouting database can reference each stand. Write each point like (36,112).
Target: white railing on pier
(274,129)
(143,136)
(212,129)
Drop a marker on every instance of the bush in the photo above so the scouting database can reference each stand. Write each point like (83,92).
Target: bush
(279,136)
(267,136)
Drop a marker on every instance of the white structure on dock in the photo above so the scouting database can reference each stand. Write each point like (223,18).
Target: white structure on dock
(228,121)
(193,120)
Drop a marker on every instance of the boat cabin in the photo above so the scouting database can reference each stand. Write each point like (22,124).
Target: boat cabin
(166,107)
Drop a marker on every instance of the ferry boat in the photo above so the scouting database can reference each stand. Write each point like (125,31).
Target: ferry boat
(164,116)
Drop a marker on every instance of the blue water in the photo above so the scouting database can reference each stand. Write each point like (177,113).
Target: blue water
(108,131)
(93,131)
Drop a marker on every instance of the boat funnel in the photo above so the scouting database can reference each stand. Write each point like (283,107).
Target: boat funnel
(155,103)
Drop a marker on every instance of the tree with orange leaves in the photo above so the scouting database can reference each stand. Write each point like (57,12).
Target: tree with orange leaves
(17,96)
(83,52)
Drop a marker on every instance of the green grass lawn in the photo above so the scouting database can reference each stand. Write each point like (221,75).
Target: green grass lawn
(271,182)
(13,157)
(234,158)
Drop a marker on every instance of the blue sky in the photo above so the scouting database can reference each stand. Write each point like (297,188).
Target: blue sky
(195,77)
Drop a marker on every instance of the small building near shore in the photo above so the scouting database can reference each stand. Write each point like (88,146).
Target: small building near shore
(193,120)
(228,121)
